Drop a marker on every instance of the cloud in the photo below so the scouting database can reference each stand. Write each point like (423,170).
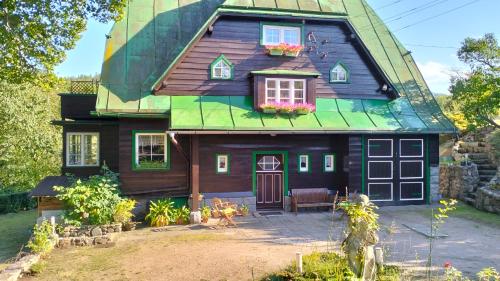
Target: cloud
(437,76)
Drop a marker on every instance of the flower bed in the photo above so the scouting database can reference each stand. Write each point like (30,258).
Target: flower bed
(284,49)
(287,109)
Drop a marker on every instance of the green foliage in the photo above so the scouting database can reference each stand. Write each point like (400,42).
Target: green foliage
(41,242)
(478,92)
(160,212)
(488,274)
(494,140)
(181,215)
(205,212)
(123,211)
(452,109)
(92,201)
(38,267)
(15,202)
(34,35)
(30,146)
(361,215)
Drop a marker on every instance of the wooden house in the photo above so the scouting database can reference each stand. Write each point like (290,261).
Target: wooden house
(178,108)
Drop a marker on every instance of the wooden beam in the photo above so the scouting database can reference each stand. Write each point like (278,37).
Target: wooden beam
(195,171)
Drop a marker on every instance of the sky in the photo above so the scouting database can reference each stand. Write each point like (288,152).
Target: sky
(432,29)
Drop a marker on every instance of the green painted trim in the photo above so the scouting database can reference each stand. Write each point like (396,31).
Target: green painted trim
(347,70)
(285,72)
(363,164)
(285,168)
(228,163)
(309,163)
(427,170)
(130,115)
(135,168)
(218,59)
(334,162)
(301,25)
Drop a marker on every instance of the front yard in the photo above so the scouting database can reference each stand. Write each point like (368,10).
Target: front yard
(15,229)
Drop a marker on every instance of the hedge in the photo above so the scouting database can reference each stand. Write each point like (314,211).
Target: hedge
(15,202)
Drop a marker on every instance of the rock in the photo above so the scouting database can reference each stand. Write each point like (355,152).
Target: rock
(96,231)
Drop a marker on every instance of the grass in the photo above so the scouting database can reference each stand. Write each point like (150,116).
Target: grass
(465,211)
(16,230)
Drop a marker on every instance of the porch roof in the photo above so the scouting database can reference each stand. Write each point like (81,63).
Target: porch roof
(236,113)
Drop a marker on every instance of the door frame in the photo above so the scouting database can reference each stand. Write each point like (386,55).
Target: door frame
(284,154)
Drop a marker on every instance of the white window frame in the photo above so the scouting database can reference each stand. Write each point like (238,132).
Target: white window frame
(381,200)
(281,29)
(392,148)
(306,168)
(165,148)
(346,74)
(332,168)
(219,158)
(411,161)
(277,97)
(223,65)
(82,148)
(410,156)
(392,170)
(411,199)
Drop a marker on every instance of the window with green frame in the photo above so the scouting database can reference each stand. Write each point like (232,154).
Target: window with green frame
(339,73)
(329,162)
(222,162)
(221,69)
(151,150)
(304,163)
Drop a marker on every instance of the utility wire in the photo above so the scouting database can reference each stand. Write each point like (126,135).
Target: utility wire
(431,46)
(414,10)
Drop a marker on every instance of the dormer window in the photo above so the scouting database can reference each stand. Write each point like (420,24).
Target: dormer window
(278,34)
(281,90)
(221,69)
(339,73)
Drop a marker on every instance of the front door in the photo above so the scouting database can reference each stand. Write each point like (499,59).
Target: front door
(269,169)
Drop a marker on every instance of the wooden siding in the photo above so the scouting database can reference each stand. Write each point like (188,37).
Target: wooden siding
(170,182)
(355,163)
(433,150)
(108,148)
(74,106)
(48,204)
(240,148)
(239,41)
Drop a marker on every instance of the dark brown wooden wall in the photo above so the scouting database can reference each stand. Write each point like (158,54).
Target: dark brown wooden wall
(240,149)
(172,182)
(75,106)
(108,148)
(355,163)
(239,41)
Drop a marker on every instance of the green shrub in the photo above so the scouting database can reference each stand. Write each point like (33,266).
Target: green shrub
(15,202)
(123,211)
(205,213)
(38,267)
(92,201)
(41,242)
(494,140)
(181,215)
(160,212)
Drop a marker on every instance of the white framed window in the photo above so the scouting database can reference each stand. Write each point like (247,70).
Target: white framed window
(221,69)
(411,191)
(285,90)
(151,151)
(380,191)
(82,149)
(411,148)
(380,170)
(269,163)
(339,73)
(277,34)
(222,162)
(303,163)
(379,148)
(328,163)
(409,169)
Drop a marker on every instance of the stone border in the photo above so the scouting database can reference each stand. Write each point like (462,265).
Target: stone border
(23,265)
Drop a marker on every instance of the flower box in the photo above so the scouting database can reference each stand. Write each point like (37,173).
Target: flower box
(275,52)
(286,108)
(292,54)
(302,111)
(269,110)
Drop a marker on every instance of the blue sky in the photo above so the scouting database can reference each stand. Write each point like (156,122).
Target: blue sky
(444,32)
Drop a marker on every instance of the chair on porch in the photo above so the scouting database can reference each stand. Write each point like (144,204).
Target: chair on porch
(226,211)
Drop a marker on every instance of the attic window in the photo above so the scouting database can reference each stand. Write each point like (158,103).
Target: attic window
(339,73)
(278,34)
(221,69)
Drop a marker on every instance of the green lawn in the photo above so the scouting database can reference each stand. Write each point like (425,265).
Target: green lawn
(465,211)
(16,229)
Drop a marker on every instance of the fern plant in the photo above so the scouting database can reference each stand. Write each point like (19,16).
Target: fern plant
(123,211)
(160,213)
(41,242)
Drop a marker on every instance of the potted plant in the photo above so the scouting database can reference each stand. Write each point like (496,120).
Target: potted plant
(123,214)
(244,210)
(304,108)
(293,50)
(181,215)
(269,108)
(205,214)
(286,108)
(276,50)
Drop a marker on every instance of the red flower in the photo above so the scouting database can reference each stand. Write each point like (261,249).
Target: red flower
(447,265)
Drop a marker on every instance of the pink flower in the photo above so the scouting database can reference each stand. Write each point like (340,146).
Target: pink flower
(447,265)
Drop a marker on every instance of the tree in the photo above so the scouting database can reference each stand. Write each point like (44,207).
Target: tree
(478,91)
(30,146)
(34,35)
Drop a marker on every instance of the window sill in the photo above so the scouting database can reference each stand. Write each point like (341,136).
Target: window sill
(137,169)
(82,166)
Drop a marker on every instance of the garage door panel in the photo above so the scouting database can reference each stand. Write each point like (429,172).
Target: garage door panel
(411,191)
(380,191)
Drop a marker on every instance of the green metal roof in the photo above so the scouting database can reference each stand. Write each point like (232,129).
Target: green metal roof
(285,72)
(236,113)
(153,35)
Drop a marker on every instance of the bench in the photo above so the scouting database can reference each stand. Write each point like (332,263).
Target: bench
(311,197)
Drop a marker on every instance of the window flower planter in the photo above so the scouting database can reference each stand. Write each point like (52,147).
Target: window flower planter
(286,108)
(284,49)
(269,110)
(275,52)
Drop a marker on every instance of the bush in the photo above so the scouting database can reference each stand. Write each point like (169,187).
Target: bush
(123,211)
(181,215)
(41,242)
(15,202)
(160,212)
(92,201)
(494,140)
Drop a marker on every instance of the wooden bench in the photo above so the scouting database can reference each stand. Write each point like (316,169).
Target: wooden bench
(311,197)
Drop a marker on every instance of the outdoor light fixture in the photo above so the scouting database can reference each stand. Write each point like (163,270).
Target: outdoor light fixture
(172,137)
(385,87)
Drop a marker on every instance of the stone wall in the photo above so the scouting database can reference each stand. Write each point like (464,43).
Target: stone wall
(435,194)
(458,181)
(488,197)
(87,235)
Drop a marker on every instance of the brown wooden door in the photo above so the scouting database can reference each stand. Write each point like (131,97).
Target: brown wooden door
(269,169)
